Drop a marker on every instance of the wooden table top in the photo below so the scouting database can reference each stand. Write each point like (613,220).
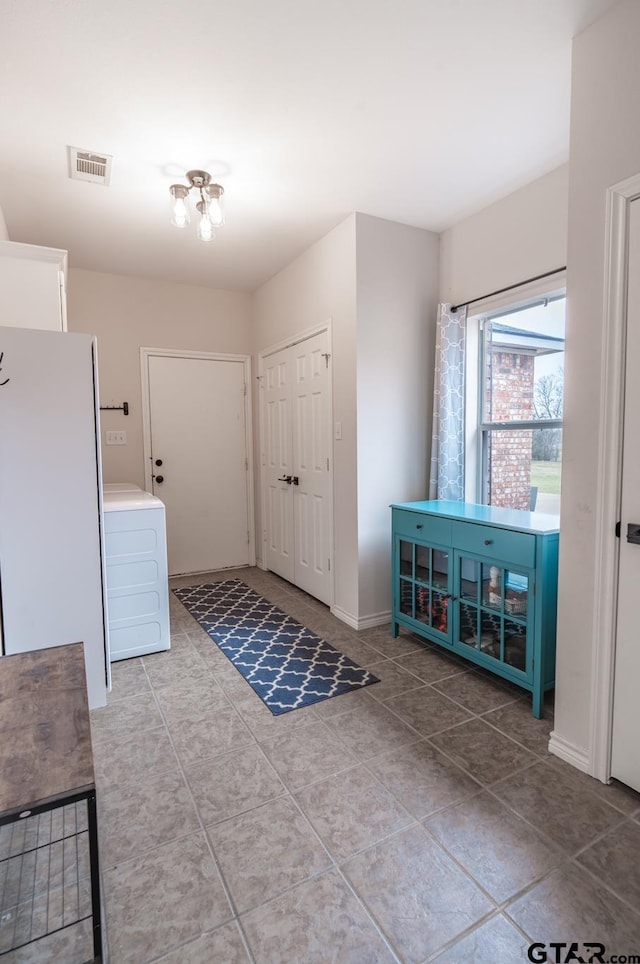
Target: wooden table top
(45,733)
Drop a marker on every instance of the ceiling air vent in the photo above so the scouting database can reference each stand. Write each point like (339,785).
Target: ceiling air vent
(89,166)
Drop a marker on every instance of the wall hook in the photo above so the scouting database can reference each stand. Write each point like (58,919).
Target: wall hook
(116,408)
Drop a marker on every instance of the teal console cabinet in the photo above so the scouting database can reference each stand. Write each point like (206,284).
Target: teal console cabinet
(480,581)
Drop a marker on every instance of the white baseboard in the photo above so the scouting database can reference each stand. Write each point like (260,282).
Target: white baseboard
(577,756)
(362,622)
(344,616)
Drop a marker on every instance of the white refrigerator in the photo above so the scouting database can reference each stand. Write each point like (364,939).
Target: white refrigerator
(52,587)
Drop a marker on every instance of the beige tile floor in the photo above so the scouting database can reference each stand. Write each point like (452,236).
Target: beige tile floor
(419,819)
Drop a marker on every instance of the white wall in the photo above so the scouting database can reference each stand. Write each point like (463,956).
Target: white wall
(397,294)
(126,313)
(377,281)
(524,235)
(605,148)
(4,234)
(318,286)
(518,237)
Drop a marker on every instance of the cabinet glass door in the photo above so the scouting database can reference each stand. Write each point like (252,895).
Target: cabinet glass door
(494,603)
(423,593)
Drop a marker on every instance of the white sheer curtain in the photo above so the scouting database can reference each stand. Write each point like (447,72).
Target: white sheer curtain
(447,444)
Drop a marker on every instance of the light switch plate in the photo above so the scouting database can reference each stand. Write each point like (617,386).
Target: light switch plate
(116,438)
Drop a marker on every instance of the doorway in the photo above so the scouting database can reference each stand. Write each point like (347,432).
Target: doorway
(625,760)
(297,463)
(197,446)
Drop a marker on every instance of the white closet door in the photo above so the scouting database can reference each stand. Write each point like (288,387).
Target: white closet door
(297,460)
(278,464)
(311,453)
(625,758)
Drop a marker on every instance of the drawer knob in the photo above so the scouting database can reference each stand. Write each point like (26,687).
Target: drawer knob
(419,525)
(488,542)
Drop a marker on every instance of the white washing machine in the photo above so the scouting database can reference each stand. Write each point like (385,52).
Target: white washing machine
(136,572)
(120,487)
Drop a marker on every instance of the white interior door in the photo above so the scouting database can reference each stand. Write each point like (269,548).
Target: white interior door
(625,758)
(311,485)
(297,461)
(278,464)
(199,446)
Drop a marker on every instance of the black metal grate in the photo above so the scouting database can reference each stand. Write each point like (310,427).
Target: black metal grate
(45,884)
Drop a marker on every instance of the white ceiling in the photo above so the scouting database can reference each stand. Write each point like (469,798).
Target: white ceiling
(420,111)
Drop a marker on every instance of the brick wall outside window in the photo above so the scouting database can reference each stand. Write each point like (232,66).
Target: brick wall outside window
(509,398)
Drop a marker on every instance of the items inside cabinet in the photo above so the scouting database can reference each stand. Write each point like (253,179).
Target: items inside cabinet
(489,594)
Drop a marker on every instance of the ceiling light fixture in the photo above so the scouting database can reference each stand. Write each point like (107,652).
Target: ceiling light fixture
(208,207)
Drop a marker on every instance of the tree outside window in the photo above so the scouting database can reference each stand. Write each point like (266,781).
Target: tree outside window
(548,394)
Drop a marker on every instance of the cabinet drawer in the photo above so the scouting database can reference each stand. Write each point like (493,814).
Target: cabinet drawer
(516,548)
(422,527)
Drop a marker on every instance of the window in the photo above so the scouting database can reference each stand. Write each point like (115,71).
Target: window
(518,413)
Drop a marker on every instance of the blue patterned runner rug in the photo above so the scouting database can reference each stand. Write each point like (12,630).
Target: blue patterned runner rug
(287,665)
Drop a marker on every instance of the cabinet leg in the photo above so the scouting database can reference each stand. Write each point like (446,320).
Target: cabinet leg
(395,630)
(538,701)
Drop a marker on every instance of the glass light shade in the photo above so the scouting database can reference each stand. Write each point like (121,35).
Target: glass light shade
(215,192)
(205,228)
(180,214)
(179,208)
(215,212)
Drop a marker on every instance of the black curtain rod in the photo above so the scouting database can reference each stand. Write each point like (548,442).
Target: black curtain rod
(500,291)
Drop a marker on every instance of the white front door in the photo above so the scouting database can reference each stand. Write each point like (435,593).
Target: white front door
(198,458)
(297,464)
(625,758)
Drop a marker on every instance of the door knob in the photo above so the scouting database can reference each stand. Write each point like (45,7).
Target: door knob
(158,478)
(158,462)
(285,478)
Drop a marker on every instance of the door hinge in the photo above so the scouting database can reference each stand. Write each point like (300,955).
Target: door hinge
(328,565)
(248,537)
(327,465)
(246,464)
(618,524)
(244,389)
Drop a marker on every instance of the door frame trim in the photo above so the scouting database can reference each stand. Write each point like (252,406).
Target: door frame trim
(245,360)
(609,486)
(273,349)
